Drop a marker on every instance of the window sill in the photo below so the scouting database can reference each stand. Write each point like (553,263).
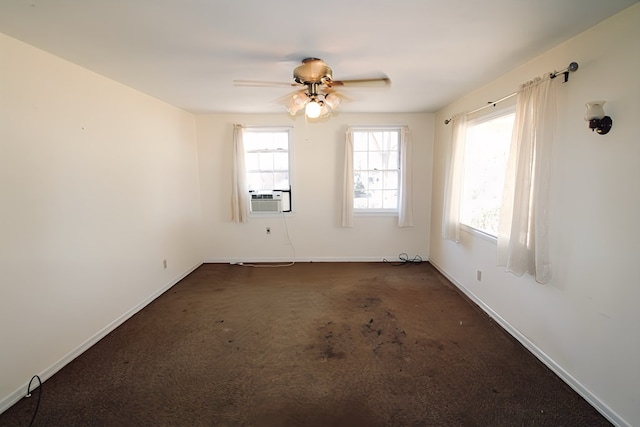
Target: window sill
(375,213)
(478,233)
(269,214)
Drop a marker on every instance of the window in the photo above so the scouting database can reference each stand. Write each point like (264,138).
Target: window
(267,162)
(486,152)
(376,169)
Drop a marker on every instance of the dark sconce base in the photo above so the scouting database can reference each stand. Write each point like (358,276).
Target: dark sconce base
(601,126)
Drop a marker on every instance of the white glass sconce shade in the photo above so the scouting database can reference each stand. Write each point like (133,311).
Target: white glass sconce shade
(595,110)
(598,120)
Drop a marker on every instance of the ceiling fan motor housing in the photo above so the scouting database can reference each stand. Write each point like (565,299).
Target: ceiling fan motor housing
(312,70)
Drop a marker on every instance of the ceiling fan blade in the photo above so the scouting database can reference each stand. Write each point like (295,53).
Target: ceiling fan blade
(261,83)
(343,97)
(374,82)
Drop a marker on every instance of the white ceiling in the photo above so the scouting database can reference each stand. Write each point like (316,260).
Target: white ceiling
(188,52)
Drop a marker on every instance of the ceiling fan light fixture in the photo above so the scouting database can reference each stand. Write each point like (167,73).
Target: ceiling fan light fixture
(292,109)
(325,110)
(318,97)
(332,100)
(313,109)
(297,102)
(300,99)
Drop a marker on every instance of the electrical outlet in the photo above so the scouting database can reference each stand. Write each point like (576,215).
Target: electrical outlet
(164,263)
(268,230)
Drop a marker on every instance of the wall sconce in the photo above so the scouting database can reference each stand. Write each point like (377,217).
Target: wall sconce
(598,121)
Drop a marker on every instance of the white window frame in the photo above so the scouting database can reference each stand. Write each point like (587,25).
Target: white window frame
(493,115)
(287,201)
(378,211)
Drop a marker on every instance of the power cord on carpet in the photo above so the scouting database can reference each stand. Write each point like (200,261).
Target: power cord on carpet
(33,418)
(404,260)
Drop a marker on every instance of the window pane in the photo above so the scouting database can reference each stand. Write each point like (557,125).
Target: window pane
(267,158)
(375,199)
(281,141)
(254,181)
(360,203)
(390,180)
(360,161)
(266,139)
(486,153)
(360,189)
(390,199)
(393,160)
(266,161)
(392,141)
(254,141)
(267,181)
(360,141)
(281,161)
(376,166)
(281,181)
(376,160)
(375,180)
(251,162)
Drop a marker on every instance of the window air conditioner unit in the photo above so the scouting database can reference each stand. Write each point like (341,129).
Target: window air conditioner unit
(266,202)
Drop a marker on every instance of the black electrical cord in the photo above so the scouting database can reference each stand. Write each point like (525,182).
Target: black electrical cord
(405,260)
(33,418)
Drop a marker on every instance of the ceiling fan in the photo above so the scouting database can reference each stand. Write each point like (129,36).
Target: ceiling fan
(319,96)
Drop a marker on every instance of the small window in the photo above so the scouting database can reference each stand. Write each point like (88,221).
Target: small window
(485,160)
(376,169)
(267,162)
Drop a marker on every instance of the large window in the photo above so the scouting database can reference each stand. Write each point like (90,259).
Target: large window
(485,159)
(267,162)
(376,169)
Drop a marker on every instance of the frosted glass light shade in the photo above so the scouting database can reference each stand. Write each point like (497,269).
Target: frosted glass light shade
(324,110)
(292,108)
(595,110)
(300,99)
(312,110)
(332,100)
(297,102)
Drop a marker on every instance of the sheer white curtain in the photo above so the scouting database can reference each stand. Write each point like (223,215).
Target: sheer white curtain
(405,213)
(453,179)
(239,190)
(523,245)
(347,187)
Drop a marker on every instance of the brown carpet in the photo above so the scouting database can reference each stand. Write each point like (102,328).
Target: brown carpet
(315,344)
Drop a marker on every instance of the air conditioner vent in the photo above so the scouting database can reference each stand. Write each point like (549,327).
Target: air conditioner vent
(266,203)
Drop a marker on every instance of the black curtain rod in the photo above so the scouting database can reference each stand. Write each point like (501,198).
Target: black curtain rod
(571,68)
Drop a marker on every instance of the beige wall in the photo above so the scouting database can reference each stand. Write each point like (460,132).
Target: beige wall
(318,165)
(584,323)
(99,185)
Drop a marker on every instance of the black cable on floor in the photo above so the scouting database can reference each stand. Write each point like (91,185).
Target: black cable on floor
(405,260)
(33,418)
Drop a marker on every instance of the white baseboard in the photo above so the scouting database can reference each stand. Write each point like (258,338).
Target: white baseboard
(579,388)
(392,258)
(18,394)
